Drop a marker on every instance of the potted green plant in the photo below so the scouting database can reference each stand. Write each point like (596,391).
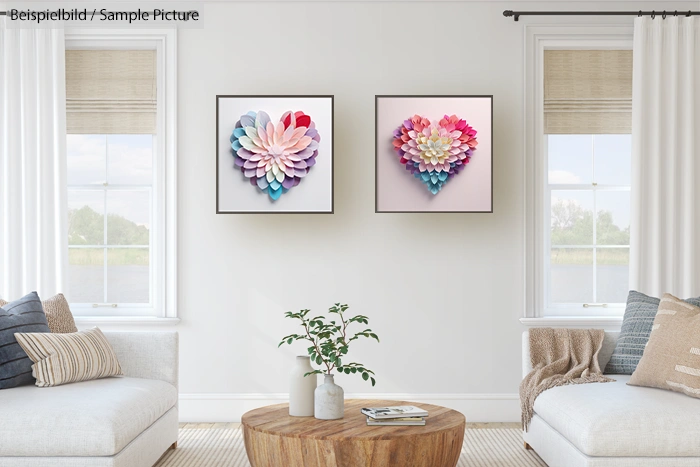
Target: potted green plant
(330,341)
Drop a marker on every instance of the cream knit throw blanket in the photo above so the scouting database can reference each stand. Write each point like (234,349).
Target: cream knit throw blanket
(560,357)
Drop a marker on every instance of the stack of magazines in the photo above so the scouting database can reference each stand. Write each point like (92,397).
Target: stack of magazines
(403,415)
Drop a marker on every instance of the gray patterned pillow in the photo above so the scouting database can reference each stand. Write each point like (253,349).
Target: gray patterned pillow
(23,315)
(57,312)
(634,335)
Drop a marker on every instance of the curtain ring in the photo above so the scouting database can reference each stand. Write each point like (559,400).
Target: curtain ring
(653,14)
(664,15)
(675,13)
(640,14)
(688,15)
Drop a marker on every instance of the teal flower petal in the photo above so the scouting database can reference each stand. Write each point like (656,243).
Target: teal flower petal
(274,194)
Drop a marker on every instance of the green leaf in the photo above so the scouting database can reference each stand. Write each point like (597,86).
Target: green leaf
(365,376)
(354,370)
(289,341)
(373,381)
(346,370)
(337,361)
(319,360)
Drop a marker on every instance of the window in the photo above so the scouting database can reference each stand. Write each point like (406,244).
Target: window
(110,214)
(588,202)
(120,173)
(578,173)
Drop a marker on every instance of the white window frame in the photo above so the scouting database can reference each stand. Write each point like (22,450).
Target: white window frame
(539,38)
(163,246)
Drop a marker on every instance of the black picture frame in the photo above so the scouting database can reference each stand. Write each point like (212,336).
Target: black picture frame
(376,147)
(278,96)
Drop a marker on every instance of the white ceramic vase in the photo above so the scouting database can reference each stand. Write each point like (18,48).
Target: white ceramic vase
(301,388)
(330,400)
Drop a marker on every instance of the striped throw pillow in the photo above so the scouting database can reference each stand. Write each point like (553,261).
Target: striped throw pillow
(23,315)
(671,359)
(58,313)
(69,358)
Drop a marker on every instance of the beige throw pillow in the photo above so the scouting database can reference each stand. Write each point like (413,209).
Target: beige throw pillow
(58,314)
(671,358)
(68,358)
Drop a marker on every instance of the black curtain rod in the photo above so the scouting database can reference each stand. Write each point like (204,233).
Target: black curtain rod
(517,14)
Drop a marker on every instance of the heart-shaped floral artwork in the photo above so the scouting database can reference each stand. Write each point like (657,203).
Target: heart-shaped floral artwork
(275,157)
(434,152)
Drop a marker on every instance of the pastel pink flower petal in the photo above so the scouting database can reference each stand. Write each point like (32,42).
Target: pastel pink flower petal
(288,171)
(244,154)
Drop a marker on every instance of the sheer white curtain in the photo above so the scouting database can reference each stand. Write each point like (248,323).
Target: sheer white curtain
(33,234)
(665,230)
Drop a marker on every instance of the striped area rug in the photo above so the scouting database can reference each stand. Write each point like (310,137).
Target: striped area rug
(223,447)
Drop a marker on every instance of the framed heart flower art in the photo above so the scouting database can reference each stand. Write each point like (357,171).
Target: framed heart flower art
(433,154)
(274,154)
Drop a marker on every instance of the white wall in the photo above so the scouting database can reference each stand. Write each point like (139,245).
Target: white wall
(443,291)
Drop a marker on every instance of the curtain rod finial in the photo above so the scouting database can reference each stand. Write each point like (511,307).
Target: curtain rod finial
(511,13)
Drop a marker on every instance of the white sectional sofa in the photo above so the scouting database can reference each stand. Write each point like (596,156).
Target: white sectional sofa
(612,424)
(126,421)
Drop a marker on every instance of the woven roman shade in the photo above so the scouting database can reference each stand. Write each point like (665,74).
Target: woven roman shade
(588,91)
(111,91)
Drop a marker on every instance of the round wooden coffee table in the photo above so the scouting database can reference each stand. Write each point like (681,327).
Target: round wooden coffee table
(273,438)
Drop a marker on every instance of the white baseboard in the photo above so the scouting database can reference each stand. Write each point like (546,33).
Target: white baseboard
(229,407)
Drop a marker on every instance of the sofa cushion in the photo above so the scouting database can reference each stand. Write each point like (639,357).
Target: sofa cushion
(69,357)
(634,335)
(672,356)
(23,315)
(91,418)
(58,313)
(614,419)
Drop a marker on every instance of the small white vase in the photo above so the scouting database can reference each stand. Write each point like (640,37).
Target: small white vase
(301,388)
(330,400)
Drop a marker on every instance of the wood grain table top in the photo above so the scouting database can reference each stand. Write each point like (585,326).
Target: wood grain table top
(275,419)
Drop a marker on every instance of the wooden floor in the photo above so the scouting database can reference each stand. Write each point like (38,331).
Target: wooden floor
(205,426)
